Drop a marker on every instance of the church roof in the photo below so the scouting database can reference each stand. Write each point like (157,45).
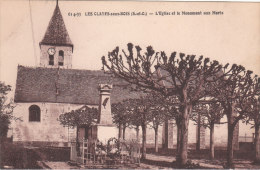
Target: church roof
(66,86)
(56,33)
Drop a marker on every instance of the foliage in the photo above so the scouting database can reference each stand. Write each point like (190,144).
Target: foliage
(114,147)
(139,111)
(111,148)
(250,105)
(6,109)
(210,113)
(158,112)
(82,116)
(119,113)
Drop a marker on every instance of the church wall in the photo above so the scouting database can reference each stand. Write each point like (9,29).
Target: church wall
(221,134)
(246,130)
(44,58)
(48,130)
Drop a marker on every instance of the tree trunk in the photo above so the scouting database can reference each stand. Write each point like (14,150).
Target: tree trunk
(144,142)
(156,138)
(124,127)
(257,144)
(178,137)
(137,134)
(198,133)
(120,128)
(182,154)
(165,144)
(212,147)
(230,145)
(77,141)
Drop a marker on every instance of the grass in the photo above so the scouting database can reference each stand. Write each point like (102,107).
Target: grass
(20,157)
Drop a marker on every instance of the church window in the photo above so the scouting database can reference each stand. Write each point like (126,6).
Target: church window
(51,60)
(61,58)
(34,113)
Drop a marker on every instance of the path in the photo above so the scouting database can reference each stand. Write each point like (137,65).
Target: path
(215,164)
(158,162)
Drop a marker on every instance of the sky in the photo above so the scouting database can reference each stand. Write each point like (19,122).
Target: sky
(232,37)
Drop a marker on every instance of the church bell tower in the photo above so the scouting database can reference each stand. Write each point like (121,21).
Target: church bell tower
(56,47)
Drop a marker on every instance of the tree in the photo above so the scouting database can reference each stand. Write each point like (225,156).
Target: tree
(120,117)
(157,113)
(254,115)
(210,114)
(230,91)
(84,116)
(183,76)
(6,109)
(139,115)
(172,107)
(250,106)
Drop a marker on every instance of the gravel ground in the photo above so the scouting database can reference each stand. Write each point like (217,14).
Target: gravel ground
(156,162)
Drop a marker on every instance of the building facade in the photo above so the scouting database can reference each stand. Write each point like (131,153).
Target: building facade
(43,93)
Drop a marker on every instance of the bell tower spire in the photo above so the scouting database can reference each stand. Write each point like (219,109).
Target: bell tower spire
(56,46)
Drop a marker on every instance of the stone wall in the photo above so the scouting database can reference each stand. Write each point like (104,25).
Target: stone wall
(44,57)
(220,135)
(168,132)
(201,136)
(48,130)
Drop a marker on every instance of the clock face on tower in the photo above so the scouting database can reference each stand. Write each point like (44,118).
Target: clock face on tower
(51,51)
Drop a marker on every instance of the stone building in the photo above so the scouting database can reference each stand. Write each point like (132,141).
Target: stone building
(43,93)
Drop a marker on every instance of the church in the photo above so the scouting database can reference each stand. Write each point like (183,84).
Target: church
(43,93)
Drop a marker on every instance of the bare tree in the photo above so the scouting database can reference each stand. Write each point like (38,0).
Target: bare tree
(183,76)
(231,90)
(250,106)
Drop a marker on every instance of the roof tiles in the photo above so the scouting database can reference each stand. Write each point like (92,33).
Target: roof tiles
(67,86)
(56,33)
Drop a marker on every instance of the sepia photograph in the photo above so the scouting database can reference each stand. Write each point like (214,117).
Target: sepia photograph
(129,84)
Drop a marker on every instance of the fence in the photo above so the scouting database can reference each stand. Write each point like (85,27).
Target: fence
(246,138)
(113,152)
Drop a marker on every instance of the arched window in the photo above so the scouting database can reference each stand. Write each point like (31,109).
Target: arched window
(51,60)
(61,58)
(34,113)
